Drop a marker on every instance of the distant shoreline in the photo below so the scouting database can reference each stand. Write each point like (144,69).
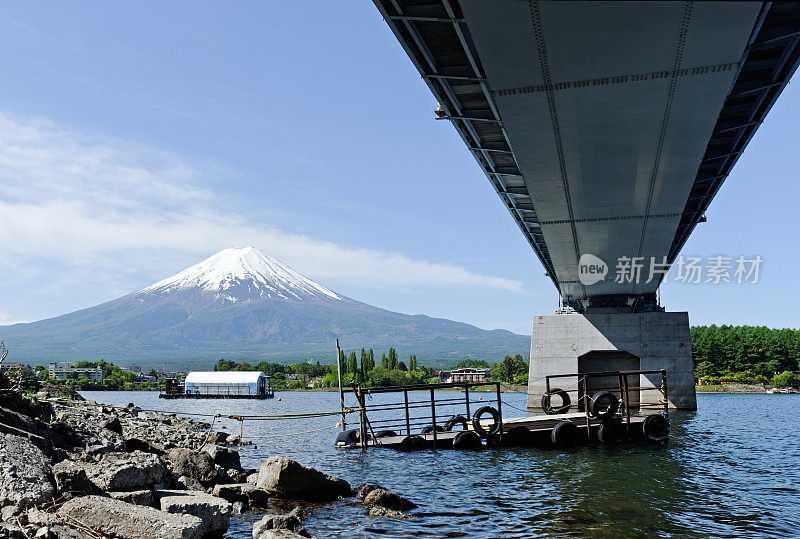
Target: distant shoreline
(741,389)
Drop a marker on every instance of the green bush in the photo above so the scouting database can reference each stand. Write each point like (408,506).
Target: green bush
(785,379)
(296,384)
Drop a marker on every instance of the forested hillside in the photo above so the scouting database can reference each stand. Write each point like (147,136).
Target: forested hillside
(749,351)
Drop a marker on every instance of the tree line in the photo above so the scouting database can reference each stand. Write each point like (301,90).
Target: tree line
(747,354)
(356,367)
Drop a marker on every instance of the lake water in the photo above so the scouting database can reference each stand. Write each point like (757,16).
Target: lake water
(734,471)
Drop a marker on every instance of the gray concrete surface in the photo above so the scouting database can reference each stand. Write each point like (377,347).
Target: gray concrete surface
(571,343)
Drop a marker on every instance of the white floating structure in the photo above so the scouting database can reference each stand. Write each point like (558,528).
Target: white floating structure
(227,385)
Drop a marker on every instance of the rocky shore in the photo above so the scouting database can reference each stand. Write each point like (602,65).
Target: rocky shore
(76,469)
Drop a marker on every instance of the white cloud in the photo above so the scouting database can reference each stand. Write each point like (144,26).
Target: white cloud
(96,203)
(7,319)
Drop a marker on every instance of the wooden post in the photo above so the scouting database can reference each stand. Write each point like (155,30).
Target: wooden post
(341,391)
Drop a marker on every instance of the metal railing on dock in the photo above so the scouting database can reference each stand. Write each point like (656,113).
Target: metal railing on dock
(427,409)
(622,387)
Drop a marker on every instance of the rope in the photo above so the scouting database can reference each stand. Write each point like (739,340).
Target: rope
(208,434)
(239,417)
(294,433)
(292,416)
(515,408)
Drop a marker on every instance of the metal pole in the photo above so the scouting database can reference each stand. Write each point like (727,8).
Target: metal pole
(586,405)
(363,417)
(408,421)
(433,417)
(466,398)
(500,413)
(664,390)
(627,403)
(341,391)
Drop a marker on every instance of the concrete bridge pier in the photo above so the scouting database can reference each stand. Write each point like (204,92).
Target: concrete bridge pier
(571,343)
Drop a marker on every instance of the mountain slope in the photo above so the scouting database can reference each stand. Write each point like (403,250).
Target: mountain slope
(243,304)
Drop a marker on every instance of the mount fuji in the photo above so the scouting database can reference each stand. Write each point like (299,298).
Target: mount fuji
(242,304)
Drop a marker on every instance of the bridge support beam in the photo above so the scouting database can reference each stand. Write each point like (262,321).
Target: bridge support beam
(570,343)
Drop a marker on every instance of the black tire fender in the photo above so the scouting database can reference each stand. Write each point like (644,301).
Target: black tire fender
(656,428)
(480,429)
(564,435)
(603,405)
(430,428)
(385,434)
(547,405)
(456,420)
(612,431)
(519,435)
(348,437)
(413,443)
(467,440)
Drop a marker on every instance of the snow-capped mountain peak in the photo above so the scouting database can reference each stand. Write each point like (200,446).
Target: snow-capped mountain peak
(242,275)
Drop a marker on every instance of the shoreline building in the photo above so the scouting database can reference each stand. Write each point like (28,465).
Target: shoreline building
(466,374)
(67,372)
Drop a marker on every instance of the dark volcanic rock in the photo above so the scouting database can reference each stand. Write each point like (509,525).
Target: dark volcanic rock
(197,465)
(71,478)
(285,478)
(365,489)
(24,473)
(224,456)
(113,425)
(213,511)
(128,471)
(127,521)
(381,497)
(288,525)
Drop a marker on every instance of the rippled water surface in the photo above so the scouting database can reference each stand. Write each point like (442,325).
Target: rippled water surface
(734,471)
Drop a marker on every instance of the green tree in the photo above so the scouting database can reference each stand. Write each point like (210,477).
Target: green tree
(352,365)
(472,363)
(364,364)
(384,361)
(392,358)
(509,368)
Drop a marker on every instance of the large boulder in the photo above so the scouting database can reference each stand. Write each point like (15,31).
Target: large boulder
(224,456)
(285,478)
(116,518)
(288,525)
(380,497)
(128,471)
(113,425)
(24,473)
(136,497)
(248,495)
(71,478)
(194,464)
(214,512)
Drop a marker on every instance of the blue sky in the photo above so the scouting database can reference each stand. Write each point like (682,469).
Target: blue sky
(137,139)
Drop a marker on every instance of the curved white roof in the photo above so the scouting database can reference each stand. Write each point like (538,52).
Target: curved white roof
(224,377)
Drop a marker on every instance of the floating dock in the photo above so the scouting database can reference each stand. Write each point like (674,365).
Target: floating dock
(219,385)
(609,411)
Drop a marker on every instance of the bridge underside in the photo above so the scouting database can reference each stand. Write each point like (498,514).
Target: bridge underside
(606,128)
